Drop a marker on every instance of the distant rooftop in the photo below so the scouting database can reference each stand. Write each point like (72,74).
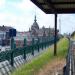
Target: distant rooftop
(5,28)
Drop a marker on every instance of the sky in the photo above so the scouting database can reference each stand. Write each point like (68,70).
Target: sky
(20,15)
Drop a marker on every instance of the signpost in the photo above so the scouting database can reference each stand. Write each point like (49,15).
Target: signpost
(12,33)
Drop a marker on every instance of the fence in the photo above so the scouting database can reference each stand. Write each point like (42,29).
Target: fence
(70,61)
(16,56)
(9,55)
(12,59)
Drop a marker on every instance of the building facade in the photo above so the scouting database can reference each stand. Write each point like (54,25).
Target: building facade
(4,35)
(36,31)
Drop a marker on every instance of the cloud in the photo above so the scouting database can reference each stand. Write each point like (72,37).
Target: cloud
(23,5)
(67,23)
(14,1)
(20,14)
(2,3)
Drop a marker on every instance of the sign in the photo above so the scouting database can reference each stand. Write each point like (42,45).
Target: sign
(12,32)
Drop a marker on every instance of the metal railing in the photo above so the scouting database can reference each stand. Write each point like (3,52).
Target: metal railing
(9,55)
(70,60)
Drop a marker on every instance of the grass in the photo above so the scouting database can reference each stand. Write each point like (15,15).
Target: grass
(32,67)
(73,37)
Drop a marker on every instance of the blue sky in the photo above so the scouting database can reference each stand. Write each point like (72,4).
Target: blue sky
(20,15)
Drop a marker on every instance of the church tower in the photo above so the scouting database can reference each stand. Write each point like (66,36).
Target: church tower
(35,28)
(35,24)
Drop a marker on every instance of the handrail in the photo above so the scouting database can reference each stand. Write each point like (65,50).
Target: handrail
(70,61)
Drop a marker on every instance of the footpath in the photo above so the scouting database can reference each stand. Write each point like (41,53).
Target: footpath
(55,67)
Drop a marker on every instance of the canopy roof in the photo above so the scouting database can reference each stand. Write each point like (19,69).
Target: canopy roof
(56,6)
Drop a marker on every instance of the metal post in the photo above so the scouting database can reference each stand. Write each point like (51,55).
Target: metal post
(33,46)
(12,47)
(12,43)
(55,38)
(25,42)
(42,43)
(25,48)
(12,59)
(38,43)
(25,53)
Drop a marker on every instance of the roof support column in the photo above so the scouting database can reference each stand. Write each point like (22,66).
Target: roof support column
(55,38)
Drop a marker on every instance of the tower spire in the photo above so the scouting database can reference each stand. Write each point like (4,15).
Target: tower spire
(35,18)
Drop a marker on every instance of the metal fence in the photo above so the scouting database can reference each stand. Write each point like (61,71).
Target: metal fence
(70,60)
(9,55)
(12,59)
